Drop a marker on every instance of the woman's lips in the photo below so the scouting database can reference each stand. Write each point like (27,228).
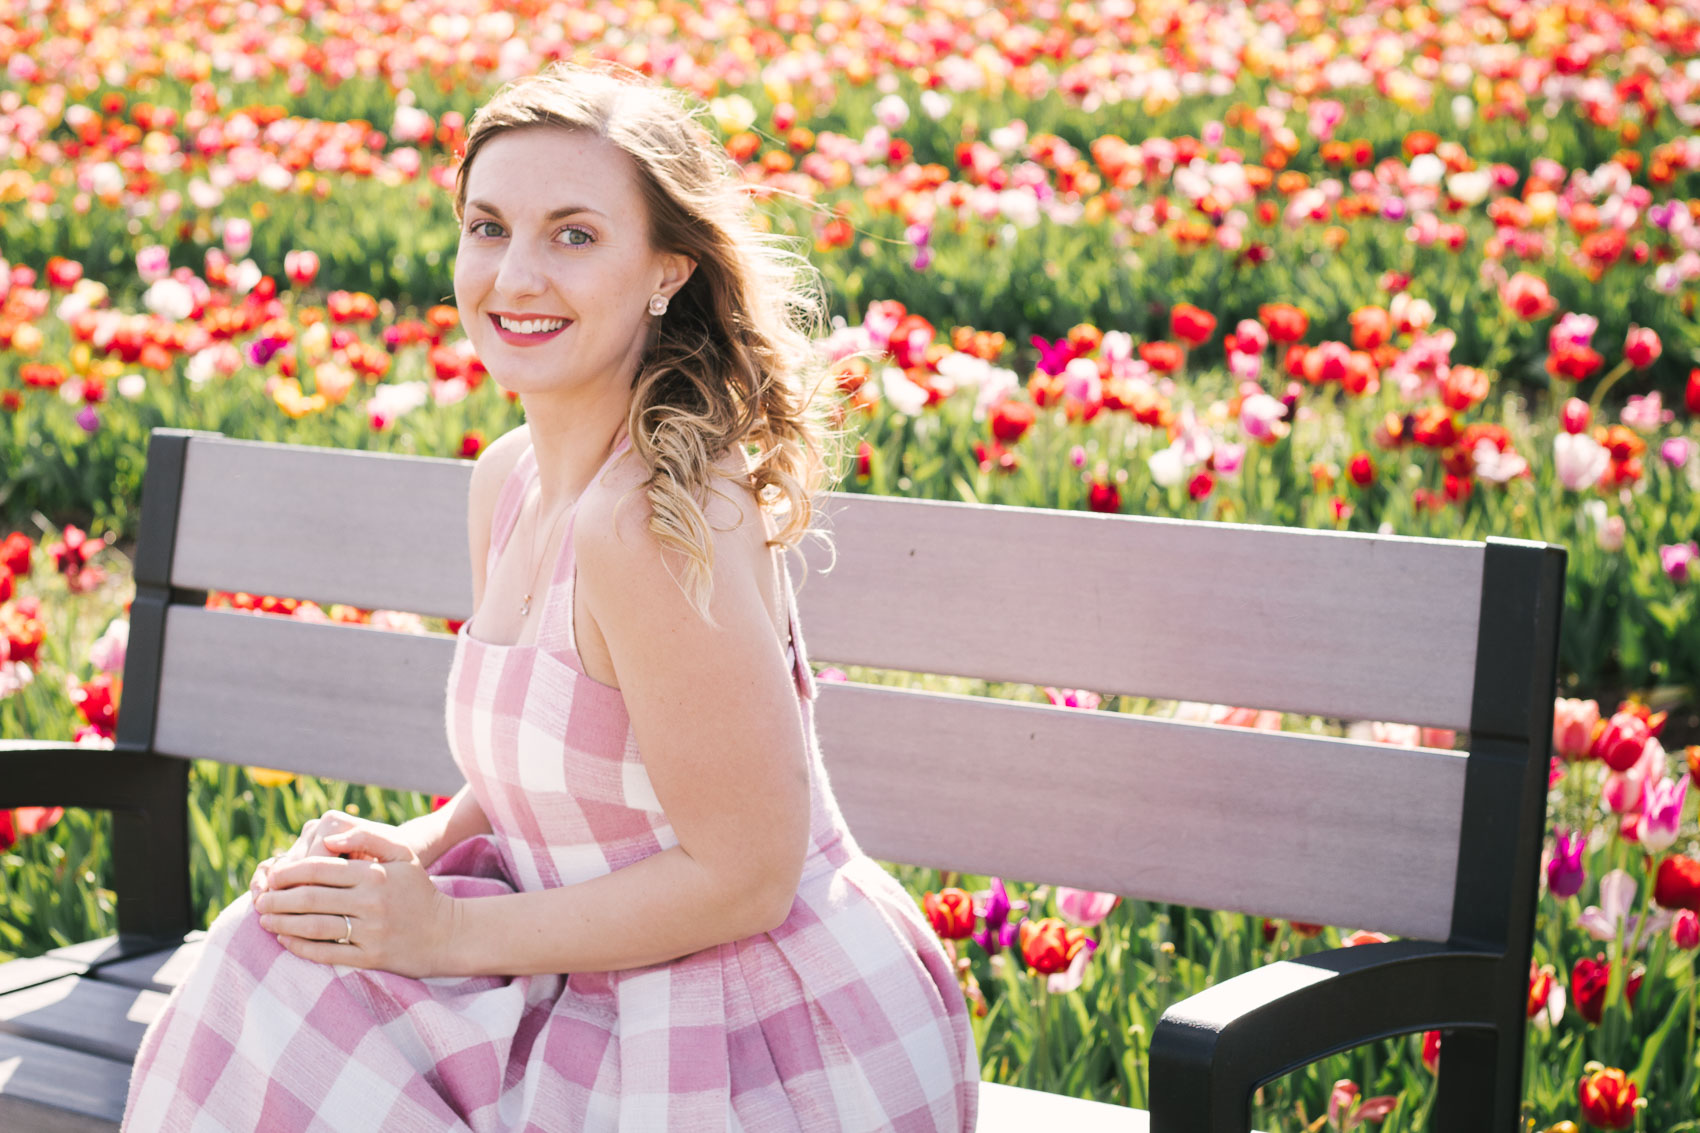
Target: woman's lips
(525,339)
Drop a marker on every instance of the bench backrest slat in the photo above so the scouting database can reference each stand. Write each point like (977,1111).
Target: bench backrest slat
(1225,818)
(1351,626)
(345,702)
(1306,828)
(368,529)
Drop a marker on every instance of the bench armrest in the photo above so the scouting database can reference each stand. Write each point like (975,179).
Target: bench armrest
(1212,1050)
(148,797)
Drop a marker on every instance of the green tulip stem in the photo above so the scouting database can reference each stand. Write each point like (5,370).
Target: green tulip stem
(1606,383)
(1041,1052)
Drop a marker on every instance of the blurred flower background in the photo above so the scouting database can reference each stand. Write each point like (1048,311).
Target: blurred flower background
(1391,266)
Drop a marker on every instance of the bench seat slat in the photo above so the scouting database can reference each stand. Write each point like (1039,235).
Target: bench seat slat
(1194,814)
(49,1089)
(157,971)
(81,1013)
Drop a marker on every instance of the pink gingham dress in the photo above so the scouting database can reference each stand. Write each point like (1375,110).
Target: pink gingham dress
(848,1016)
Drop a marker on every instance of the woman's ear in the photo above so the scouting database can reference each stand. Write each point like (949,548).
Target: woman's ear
(678,269)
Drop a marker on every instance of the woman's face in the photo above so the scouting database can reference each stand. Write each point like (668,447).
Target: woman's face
(554,242)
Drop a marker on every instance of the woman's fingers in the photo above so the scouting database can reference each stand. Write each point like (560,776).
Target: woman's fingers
(368,843)
(319,871)
(309,926)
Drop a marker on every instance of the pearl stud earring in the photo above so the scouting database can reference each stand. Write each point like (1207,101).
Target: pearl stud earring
(658,304)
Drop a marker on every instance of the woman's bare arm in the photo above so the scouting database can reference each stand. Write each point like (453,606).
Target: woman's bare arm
(715,714)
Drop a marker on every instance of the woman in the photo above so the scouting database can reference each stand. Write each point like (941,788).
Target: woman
(632,706)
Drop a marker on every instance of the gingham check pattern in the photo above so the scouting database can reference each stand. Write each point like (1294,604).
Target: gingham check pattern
(847,1016)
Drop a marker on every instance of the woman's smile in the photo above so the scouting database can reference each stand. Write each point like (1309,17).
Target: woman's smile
(529,331)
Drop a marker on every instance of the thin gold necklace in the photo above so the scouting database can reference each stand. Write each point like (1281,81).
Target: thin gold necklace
(525,602)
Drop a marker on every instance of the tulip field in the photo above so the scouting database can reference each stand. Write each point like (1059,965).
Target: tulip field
(1423,268)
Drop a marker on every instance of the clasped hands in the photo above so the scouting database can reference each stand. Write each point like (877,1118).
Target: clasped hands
(397,920)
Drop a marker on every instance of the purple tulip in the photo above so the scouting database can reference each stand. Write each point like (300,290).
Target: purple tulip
(89,419)
(998,932)
(1676,451)
(1564,872)
(1054,357)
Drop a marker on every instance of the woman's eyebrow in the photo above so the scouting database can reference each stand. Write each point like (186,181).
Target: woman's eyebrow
(555,214)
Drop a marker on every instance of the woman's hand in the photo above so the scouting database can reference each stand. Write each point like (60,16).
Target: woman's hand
(321,837)
(397,918)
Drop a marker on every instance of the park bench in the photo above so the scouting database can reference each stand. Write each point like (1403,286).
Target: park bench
(1440,848)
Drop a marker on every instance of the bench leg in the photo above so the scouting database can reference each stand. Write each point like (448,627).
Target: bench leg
(1481,1080)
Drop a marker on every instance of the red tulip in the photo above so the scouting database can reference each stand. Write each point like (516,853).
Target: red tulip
(1164,357)
(1104,497)
(1608,1099)
(471,444)
(1540,990)
(1431,1051)
(1623,741)
(1691,397)
(1371,327)
(1011,419)
(1677,884)
(951,913)
(15,553)
(1049,944)
(1362,470)
(1201,485)
(63,273)
(1588,982)
(1191,323)
(864,460)
(1574,363)
(1576,415)
(1285,322)
(1642,347)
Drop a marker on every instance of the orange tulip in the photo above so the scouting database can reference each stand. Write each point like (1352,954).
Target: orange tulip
(1049,944)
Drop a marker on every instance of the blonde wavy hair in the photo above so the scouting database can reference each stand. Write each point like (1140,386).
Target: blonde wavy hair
(732,362)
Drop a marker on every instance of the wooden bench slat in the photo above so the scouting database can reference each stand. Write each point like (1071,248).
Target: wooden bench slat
(157,971)
(1194,814)
(49,1089)
(330,525)
(1012,1109)
(81,1013)
(345,702)
(1344,625)
(16,975)
(1221,818)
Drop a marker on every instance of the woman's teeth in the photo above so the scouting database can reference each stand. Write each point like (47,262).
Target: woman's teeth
(534,326)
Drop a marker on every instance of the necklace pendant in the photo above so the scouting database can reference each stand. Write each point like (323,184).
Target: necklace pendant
(525,606)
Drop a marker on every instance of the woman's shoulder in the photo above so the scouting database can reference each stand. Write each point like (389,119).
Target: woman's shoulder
(619,510)
(495,463)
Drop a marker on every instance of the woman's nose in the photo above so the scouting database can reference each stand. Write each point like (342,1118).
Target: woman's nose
(519,272)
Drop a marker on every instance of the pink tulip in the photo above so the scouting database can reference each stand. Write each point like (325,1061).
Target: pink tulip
(153,263)
(1677,558)
(1579,459)
(1573,723)
(1622,744)
(1085,907)
(1676,451)
(238,237)
(1661,814)
(301,267)
(1685,930)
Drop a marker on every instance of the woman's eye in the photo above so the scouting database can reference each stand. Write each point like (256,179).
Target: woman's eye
(571,232)
(473,227)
